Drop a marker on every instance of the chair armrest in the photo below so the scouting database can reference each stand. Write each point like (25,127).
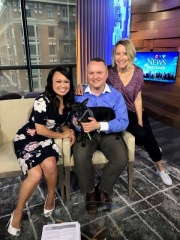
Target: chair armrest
(130,143)
(66,152)
(58,142)
(1,138)
(128,138)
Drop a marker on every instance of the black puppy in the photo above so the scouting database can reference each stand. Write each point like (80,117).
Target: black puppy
(82,112)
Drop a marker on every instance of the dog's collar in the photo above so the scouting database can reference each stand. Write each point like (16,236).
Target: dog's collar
(84,113)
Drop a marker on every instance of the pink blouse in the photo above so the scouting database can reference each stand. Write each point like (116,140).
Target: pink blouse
(131,90)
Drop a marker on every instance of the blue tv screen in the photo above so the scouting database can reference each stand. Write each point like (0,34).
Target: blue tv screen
(158,66)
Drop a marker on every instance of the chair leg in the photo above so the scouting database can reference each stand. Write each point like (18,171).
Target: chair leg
(67,180)
(130,178)
(61,180)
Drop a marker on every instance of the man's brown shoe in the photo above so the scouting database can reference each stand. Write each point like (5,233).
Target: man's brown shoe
(104,201)
(91,204)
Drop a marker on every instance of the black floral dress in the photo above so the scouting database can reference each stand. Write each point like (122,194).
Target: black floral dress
(30,148)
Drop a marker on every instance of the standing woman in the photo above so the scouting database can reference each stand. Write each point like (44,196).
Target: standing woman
(128,79)
(34,143)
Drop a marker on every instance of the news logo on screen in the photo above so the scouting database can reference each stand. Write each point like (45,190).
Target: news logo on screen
(158,66)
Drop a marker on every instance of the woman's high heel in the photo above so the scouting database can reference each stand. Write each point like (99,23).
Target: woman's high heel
(13,231)
(47,213)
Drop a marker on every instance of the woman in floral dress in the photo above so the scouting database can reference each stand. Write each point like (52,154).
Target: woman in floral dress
(34,143)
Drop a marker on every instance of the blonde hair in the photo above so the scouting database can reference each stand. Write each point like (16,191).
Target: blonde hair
(130,49)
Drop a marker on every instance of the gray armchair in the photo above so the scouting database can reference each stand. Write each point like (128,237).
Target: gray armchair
(13,114)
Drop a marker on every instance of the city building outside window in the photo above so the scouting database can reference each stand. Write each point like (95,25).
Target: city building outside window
(49,26)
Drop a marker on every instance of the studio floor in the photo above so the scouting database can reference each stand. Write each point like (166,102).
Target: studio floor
(153,211)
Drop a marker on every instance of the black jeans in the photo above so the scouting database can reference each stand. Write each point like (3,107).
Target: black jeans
(115,151)
(144,135)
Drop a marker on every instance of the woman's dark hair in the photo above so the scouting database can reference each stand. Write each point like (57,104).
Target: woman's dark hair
(51,95)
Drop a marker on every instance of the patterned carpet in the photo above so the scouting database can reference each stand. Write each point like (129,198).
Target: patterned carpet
(153,211)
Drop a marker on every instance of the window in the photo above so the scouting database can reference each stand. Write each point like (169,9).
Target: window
(66,48)
(74,11)
(65,14)
(51,31)
(35,60)
(31,31)
(49,13)
(29,12)
(35,73)
(33,49)
(65,31)
(36,84)
(52,49)
(58,10)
